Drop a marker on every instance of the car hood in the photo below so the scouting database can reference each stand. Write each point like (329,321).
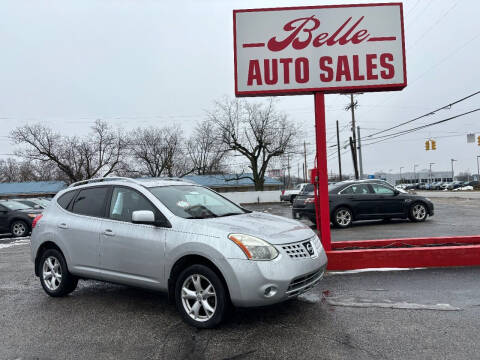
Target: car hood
(274,229)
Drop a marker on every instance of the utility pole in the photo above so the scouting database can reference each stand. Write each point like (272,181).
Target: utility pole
(478,169)
(360,161)
(401,167)
(452,161)
(288,168)
(431,171)
(352,148)
(305,161)
(353,141)
(414,173)
(339,157)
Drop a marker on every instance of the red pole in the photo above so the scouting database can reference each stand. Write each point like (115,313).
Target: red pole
(321,182)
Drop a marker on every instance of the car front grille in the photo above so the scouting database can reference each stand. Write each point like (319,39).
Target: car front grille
(296,250)
(304,283)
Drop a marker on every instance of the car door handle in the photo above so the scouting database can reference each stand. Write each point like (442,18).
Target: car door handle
(63,226)
(109,232)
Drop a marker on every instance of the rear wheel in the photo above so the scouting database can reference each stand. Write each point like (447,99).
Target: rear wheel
(55,278)
(342,217)
(418,212)
(19,228)
(201,297)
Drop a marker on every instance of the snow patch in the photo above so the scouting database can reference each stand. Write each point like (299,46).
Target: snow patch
(367,303)
(20,241)
(346,272)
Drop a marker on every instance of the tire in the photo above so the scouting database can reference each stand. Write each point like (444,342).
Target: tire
(197,279)
(342,217)
(418,212)
(19,228)
(62,283)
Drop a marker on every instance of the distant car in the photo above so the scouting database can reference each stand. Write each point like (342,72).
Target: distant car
(16,218)
(34,203)
(289,195)
(455,185)
(365,200)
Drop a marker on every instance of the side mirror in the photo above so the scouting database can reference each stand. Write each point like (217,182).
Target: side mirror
(143,217)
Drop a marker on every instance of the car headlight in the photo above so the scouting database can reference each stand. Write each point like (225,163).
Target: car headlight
(253,247)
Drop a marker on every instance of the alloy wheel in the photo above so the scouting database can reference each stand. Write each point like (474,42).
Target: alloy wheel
(199,298)
(419,212)
(52,273)
(344,217)
(19,229)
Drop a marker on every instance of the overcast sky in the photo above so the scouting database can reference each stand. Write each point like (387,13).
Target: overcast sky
(139,63)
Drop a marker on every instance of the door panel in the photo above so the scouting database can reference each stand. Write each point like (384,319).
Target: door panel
(360,198)
(132,253)
(387,203)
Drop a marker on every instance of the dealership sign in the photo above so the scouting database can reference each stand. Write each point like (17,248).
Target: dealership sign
(338,48)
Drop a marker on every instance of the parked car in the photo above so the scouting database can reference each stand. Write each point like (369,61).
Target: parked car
(34,203)
(289,195)
(436,185)
(16,218)
(206,252)
(365,200)
(454,185)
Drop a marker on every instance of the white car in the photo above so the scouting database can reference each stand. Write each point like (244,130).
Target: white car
(289,195)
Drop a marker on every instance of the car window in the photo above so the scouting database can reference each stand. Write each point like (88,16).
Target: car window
(195,202)
(356,189)
(91,201)
(14,205)
(382,189)
(125,201)
(308,189)
(66,198)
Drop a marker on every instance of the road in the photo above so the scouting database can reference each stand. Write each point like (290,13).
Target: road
(411,314)
(453,217)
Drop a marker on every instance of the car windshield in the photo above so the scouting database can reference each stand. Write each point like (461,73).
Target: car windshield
(195,202)
(14,205)
(307,190)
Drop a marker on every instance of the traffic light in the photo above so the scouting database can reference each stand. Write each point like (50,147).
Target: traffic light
(427,145)
(478,140)
(434,144)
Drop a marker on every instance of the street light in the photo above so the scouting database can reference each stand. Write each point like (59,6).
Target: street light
(414,174)
(452,161)
(401,167)
(431,171)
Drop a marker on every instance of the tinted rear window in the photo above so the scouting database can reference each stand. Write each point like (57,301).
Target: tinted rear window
(91,202)
(65,199)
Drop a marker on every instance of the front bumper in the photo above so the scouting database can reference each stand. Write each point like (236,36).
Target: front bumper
(288,275)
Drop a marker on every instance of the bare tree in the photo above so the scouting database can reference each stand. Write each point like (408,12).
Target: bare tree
(98,154)
(159,152)
(255,130)
(12,170)
(206,150)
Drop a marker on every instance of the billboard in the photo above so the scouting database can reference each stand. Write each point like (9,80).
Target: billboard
(337,48)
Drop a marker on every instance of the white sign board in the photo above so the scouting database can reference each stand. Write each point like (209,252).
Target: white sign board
(338,48)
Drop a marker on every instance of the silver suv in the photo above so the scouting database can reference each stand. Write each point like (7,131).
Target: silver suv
(205,251)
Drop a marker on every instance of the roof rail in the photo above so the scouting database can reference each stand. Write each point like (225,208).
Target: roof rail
(102,179)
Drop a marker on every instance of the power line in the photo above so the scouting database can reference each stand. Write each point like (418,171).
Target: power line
(448,106)
(408,131)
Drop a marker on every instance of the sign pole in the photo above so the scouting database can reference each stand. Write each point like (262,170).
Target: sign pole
(322,212)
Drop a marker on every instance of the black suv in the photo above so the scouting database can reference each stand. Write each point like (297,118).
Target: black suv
(16,218)
(364,200)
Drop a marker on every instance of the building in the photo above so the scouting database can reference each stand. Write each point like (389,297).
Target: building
(220,183)
(421,176)
(229,182)
(31,189)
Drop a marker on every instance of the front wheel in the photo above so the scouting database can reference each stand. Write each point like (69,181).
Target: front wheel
(418,212)
(342,217)
(201,297)
(55,278)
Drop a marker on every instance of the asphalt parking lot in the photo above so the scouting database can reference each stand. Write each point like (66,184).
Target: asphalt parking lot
(410,314)
(453,217)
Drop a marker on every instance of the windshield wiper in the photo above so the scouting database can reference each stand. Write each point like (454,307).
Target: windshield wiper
(230,214)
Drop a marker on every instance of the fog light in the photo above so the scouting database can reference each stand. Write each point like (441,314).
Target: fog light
(270,291)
